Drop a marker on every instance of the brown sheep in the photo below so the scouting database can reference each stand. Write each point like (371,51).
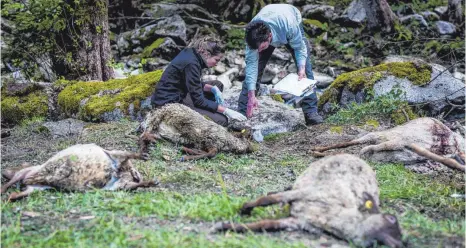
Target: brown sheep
(337,194)
(182,125)
(78,168)
(427,137)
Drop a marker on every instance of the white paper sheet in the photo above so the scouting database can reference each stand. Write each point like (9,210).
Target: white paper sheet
(291,85)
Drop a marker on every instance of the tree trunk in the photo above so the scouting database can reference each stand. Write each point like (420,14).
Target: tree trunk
(95,53)
(455,12)
(379,15)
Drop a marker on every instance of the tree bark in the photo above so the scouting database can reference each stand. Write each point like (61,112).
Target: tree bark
(379,15)
(95,53)
(455,12)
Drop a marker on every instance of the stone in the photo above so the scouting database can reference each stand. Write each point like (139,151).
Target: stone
(220,68)
(444,27)
(273,116)
(153,64)
(417,17)
(323,80)
(318,12)
(65,128)
(355,12)
(431,16)
(441,10)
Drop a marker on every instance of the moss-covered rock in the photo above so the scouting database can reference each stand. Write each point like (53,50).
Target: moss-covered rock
(148,50)
(90,101)
(18,108)
(364,79)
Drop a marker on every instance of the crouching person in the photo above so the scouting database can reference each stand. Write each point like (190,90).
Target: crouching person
(181,82)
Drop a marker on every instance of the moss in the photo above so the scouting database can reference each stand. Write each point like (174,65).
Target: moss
(156,44)
(18,108)
(235,38)
(336,129)
(403,114)
(417,73)
(122,92)
(278,98)
(373,123)
(310,22)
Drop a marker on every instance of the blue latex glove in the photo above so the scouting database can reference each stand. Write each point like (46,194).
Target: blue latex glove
(218,94)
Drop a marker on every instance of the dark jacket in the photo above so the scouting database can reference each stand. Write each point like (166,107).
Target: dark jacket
(183,76)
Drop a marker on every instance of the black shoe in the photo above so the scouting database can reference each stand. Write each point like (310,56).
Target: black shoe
(313,119)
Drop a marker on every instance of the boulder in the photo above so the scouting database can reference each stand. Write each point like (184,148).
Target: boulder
(160,10)
(173,27)
(408,19)
(431,16)
(323,80)
(164,48)
(421,83)
(318,12)
(110,100)
(64,128)
(354,13)
(441,10)
(273,116)
(444,27)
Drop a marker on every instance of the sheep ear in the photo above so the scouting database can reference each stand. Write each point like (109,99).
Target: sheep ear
(369,204)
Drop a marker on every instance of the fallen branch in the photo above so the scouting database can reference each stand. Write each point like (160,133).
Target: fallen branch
(451,163)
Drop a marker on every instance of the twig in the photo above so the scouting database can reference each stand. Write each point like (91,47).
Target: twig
(451,163)
(212,21)
(405,114)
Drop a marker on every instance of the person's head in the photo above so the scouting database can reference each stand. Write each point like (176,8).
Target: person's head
(258,35)
(210,48)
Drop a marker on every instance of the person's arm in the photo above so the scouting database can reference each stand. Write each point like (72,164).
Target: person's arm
(195,88)
(207,87)
(296,41)
(252,61)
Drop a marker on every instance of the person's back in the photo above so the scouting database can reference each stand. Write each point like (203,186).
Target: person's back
(171,87)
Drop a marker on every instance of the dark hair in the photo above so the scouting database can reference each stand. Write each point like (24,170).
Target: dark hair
(256,33)
(208,44)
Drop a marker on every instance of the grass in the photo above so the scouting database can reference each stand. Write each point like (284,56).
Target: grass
(195,195)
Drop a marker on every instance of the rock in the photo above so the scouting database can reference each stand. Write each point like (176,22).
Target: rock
(64,128)
(425,87)
(173,27)
(165,48)
(444,27)
(441,10)
(207,77)
(417,17)
(119,73)
(459,75)
(323,80)
(220,68)
(133,63)
(272,117)
(237,84)
(138,50)
(159,10)
(226,78)
(431,16)
(280,56)
(153,64)
(270,72)
(318,12)
(355,12)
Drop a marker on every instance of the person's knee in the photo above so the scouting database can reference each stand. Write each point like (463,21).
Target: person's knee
(222,120)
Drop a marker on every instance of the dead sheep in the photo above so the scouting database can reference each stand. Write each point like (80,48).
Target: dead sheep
(337,194)
(414,141)
(80,167)
(182,125)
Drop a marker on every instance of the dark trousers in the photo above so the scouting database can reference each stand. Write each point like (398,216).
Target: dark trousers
(214,116)
(308,103)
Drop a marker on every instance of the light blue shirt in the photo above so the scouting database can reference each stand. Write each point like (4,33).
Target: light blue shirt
(284,21)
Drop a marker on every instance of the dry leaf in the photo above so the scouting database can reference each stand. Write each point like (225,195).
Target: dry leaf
(136,237)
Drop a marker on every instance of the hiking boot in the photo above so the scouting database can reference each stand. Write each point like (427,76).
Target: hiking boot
(313,119)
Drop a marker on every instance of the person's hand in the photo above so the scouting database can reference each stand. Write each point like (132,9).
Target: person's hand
(231,114)
(252,103)
(301,73)
(218,94)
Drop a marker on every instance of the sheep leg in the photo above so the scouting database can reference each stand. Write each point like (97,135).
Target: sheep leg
(29,189)
(287,188)
(282,197)
(144,140)
(20,175)
(10,172)
(209,154)
(290,224)
(364,139)
(392,145)
(322,154)
(453,164)
(192,151)
(145,184)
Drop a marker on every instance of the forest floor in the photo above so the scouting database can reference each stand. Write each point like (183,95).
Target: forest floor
(193,196)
